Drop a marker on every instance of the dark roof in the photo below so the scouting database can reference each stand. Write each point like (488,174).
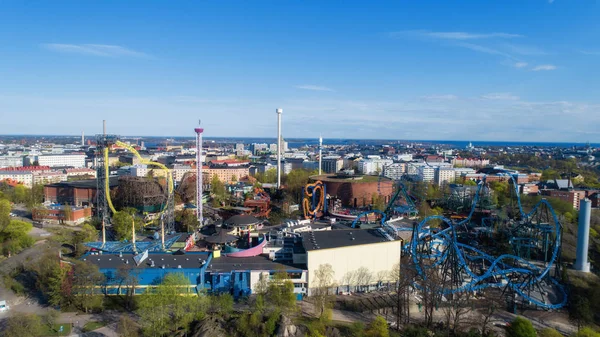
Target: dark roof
(340,238)
(113,261)
(241,220)
(88,183)
(220,236)
(227,264)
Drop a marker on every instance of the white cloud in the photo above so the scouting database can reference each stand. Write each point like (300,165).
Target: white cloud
(440,97)
(550,1)
(520,64)
(453,35)
(505,96)
(543,67)
(93,49)
(313,87)
(483,49)
(524,50)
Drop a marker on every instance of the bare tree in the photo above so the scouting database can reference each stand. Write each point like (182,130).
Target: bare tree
(349,279)
(431,291)
(363,277)
(456,309)
(323,281)
(402,277)
(493,302)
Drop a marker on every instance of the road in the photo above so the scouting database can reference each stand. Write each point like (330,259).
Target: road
(539,319)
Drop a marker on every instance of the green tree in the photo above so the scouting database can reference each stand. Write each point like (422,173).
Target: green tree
(221,305)
(234,179)
(549,332)
(23,325)
(280,292)
(50,317)
(520,327)
(579,310)
(20,194)
(86,234)
(377,328)
(586,332)
(270,176)
(378,202)
(86,280)
(295,181)
(14,237)
(127,327)
(186,220)
(67,213)
(122,222)
(217,191)
(164,312)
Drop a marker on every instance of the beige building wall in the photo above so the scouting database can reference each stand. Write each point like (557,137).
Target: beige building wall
(376,257)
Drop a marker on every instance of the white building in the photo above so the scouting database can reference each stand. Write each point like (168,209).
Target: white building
(42,178)
(373,165)
(11,161)
(359,258)
(426,173)
(444,176)
(178,171)
(460,172)
(60,160)
(23,177)
(404,157)
(394,170)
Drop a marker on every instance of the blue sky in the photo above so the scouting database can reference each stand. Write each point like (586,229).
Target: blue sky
(452,70)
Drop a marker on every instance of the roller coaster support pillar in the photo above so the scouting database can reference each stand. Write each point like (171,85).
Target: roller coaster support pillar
(133,233)
(103,232)
(583,236)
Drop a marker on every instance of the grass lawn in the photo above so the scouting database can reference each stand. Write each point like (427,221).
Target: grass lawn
(91,326)
(54,330)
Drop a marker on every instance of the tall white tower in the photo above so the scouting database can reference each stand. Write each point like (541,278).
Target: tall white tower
(82,139)
(199,132)
(320,152)
(583,236)
(279,112)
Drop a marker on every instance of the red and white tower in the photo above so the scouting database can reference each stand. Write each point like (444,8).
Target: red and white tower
(199,175)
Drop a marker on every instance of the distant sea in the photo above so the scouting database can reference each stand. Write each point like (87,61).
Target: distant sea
(299,142)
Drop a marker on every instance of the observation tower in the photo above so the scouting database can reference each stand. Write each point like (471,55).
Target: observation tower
(199,132)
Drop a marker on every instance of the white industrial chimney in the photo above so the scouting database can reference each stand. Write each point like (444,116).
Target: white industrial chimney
(279,112)
(583,236)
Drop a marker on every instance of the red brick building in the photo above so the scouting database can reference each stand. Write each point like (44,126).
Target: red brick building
(356,191)
(76,214)
(76,193)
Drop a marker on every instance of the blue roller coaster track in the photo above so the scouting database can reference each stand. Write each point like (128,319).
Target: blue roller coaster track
(464,268)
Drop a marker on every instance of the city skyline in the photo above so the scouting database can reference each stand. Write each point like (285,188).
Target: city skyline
(504,71)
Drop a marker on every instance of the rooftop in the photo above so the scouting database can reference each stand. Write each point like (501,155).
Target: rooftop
(341,238)
(227,264)
(348,178)
(88,183)
(113,261)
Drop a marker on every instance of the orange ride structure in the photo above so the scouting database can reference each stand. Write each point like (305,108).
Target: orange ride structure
(314,204)
(261,203)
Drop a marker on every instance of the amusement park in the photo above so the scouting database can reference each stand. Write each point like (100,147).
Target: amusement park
(393,245)
(463,242)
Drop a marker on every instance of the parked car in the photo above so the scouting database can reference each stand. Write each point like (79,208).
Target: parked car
(3,306)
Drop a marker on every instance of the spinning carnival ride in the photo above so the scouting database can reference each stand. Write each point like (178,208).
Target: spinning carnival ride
(449,256)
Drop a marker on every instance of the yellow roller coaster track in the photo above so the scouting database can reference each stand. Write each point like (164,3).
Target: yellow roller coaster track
(143,161)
